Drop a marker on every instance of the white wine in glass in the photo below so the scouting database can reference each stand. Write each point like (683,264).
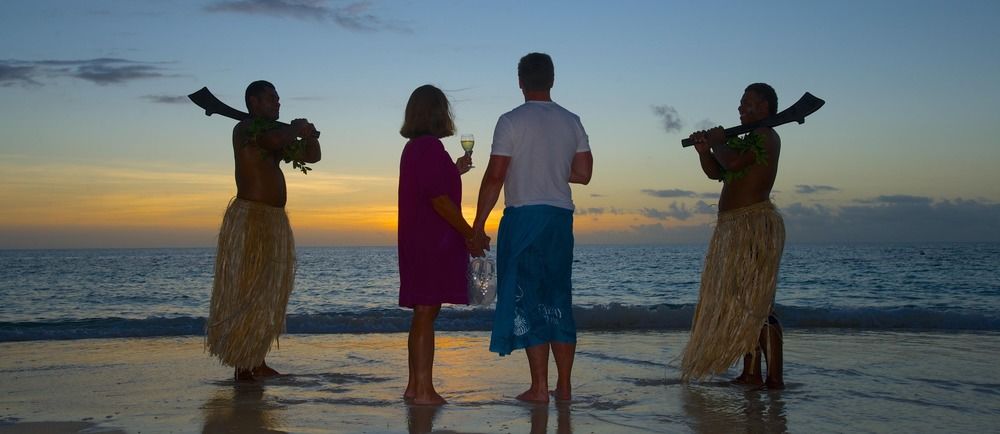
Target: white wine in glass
(468,141)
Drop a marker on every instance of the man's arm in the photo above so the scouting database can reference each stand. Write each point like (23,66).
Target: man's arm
(709,165)
(582,168)
(312,153)
(450,213)
(728,158)
(489,192)
(277,138)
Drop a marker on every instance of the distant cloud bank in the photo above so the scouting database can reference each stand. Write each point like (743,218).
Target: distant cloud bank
(167,99)
(679,211)
(896,218)
(881,219)
(600,211)
(678,193)
(354,16)
(101,71)
(669,193)
(898,199)
(810,189)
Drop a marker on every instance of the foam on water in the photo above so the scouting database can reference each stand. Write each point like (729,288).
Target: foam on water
(603,318)
(77,294)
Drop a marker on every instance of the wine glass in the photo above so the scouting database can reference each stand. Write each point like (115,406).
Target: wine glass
(468,141)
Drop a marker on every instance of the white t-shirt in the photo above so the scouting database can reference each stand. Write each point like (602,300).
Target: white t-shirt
(541,138)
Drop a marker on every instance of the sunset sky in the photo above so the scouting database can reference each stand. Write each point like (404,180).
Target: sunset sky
(101,148)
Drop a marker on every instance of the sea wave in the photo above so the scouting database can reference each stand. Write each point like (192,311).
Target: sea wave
(612,317)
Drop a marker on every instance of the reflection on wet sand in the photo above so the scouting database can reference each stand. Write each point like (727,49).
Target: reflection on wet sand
(540,418)
(721,407)
(420,418)
(241,408)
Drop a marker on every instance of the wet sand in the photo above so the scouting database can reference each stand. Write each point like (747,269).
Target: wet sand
(623,383)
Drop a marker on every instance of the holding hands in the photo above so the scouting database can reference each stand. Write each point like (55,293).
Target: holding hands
(478,244)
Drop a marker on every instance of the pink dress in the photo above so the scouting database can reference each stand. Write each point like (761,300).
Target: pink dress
(432,254)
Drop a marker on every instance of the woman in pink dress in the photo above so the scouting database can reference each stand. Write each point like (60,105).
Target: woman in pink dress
(432,237)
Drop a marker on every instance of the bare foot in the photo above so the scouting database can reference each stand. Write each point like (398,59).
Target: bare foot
(562,395)
(264,371)
(534,396)
(431,398)
(748,380)
(773,384)
(409,394)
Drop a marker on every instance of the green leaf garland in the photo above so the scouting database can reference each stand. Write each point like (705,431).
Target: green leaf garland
(291,153)
(750,142)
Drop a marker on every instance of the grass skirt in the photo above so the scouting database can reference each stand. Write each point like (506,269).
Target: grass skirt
(737,289)
(254,276)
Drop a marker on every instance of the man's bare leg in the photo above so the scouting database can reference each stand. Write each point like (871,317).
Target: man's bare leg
(243,375)
(751,374)
(564,354)
(538,364)
(421,346)
(773,353)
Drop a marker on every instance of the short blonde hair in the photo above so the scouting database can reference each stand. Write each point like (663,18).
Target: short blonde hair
(427,112)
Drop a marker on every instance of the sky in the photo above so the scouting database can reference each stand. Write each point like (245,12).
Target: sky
(100,147)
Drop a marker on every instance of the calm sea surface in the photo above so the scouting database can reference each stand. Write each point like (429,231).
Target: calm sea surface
(75,294)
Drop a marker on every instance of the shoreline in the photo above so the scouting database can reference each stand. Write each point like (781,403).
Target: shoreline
(624,382)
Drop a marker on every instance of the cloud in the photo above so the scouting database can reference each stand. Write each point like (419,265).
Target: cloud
(701,207)
(895,218)
(354,16)
(678,211)
(114,71)
(656,214)
(655,233)
(671,120)
(810,189)
(885,219)
(590,211)
(11,74)
(679,193)
(101,71)
(669,193)
(898,199)
(600,211)
(167,99)
(705,124)
(313,9)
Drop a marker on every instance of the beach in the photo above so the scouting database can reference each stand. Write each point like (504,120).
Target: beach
(624,382)
(878,338)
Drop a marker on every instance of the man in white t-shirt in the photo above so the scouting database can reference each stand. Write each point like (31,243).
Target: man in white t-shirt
(539,148)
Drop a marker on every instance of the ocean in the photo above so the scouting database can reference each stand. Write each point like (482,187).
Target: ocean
(80,294)
(878,338)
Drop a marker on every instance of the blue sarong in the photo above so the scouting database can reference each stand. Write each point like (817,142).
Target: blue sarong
(534,289)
